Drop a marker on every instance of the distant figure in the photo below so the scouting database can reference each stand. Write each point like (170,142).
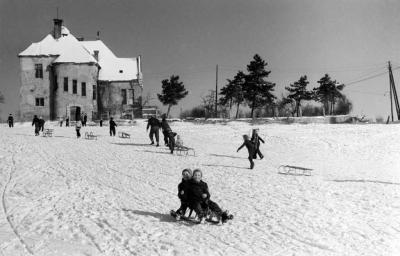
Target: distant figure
(36,123)
(78,127)
(61,121)
(256,140)
(10,121)
(41,124)
(112,127)
(154,123)
(101,122)
(67,122)
(165,128)
(84,119)
(250,147)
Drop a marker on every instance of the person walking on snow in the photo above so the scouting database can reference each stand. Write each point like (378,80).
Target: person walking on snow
(67,122)
(36,123)
(112,127)
(41,124)
(255,138)
(78,127)
(165,128)
(250,148)
(154,125)
(84,119)
(10,121)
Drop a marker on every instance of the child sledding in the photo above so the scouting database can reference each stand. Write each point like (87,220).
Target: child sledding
(194,196)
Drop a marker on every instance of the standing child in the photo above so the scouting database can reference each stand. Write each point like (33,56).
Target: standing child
(256,140)
(250,147)
(78,127)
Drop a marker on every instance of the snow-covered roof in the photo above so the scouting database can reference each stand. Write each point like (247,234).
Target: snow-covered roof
(112,67)
(70,50)
(67,48)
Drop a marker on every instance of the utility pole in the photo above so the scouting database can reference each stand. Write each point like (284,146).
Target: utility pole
(216,92)
(390,86)
(394,93)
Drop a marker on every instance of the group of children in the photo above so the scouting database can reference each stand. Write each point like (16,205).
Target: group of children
(253,146)
(194,195)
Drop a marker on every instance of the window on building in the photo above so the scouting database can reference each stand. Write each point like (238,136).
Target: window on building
(65,84)
(123,94)
(83,88)
(40,102)
(94,92)
(131,96)
(74,86)
(38,70)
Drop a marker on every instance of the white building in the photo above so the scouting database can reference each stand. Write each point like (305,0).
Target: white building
(62,76)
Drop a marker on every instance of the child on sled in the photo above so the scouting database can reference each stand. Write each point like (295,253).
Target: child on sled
(193,193)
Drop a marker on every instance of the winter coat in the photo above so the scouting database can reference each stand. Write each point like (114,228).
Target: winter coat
(41,122)
(153,123)
(196,190)
(10,119)
(256,140)
(36,122)
(249,145)
(165,126)
(183,187)
(112,124)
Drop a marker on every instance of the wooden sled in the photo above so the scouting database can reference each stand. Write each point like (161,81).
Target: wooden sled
(124,135)
(47,133)
(294,170)
(184,151)
(90,136)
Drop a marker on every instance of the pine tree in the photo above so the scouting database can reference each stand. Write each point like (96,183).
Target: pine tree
(172,91)
(327,93)
(298,92)
(233,92)
(257,91)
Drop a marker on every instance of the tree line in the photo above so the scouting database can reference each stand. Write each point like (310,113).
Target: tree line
(252,88)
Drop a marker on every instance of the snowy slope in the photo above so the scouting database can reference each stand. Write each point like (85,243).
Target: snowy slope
(68,196)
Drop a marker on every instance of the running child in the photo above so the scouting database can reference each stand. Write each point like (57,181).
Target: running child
(250,148)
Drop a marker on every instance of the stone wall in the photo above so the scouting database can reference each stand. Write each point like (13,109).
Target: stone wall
(32,87)
(110,97)
(65,100)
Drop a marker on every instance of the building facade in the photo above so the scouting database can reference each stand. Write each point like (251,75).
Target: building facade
(62,76)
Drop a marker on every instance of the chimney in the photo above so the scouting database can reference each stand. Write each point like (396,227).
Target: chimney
(96,55)
(98,35)
(57,28)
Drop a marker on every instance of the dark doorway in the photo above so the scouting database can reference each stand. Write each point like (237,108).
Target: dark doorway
(75,113)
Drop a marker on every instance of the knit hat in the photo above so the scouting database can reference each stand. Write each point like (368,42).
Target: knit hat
(187,170)
(197,170)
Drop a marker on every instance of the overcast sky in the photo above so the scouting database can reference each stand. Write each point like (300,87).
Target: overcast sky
(350,40)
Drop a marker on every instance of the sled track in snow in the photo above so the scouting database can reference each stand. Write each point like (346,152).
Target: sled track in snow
(8,217)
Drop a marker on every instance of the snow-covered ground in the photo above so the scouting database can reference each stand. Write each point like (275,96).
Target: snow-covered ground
(112,196)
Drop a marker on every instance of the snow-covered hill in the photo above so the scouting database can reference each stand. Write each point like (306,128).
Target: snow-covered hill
(112,196)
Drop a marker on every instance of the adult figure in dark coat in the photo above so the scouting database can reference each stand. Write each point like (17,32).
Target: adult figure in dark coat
(36,123)
(112,127)
(154,125)
(10,121)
